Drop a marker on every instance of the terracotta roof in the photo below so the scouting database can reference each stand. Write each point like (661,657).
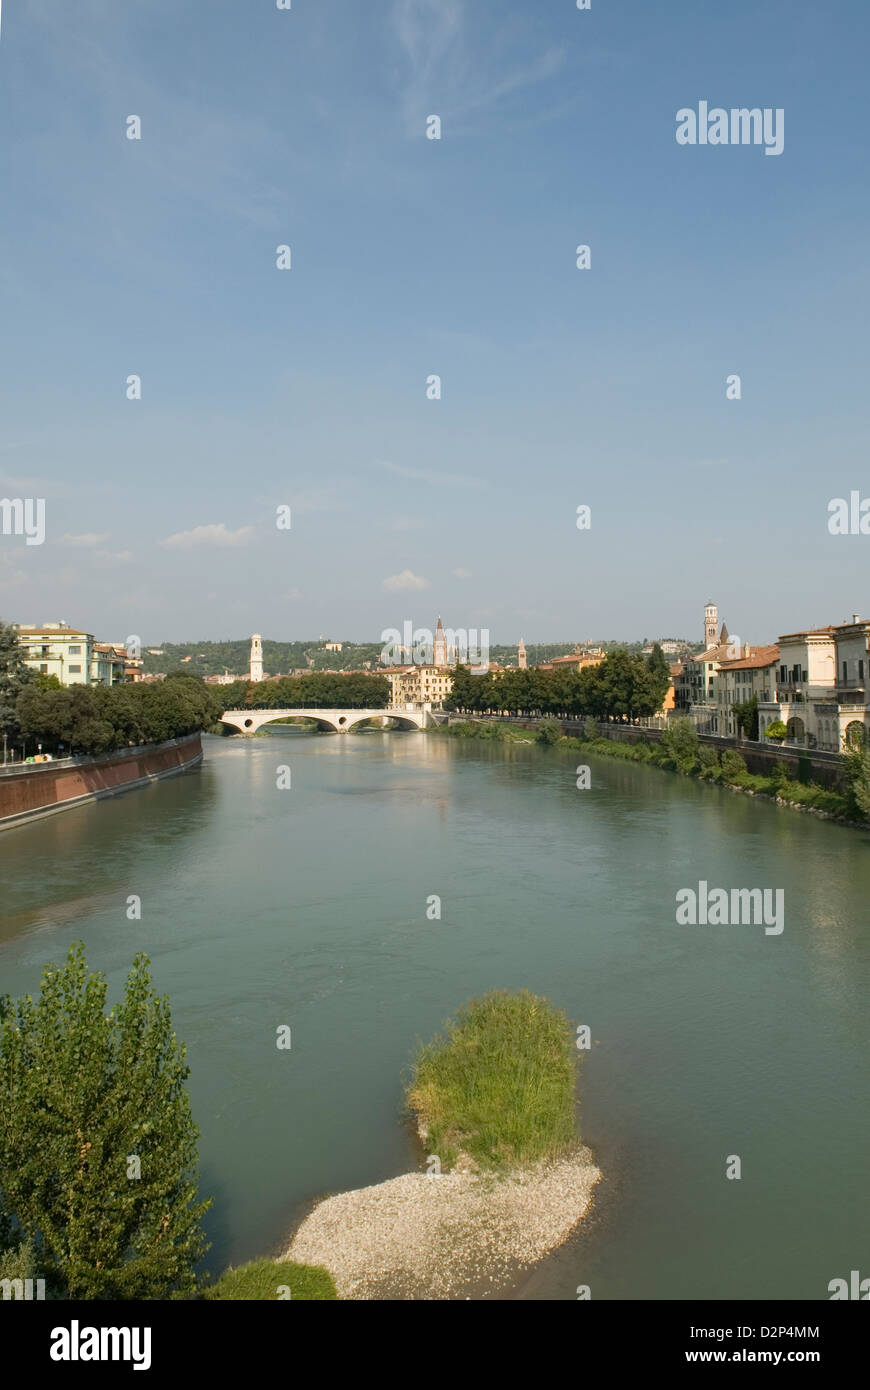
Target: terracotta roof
(51,632)
(761,656)
(813,631)
(713,654)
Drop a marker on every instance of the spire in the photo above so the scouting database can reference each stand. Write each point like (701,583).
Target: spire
(723,636)
(439,652)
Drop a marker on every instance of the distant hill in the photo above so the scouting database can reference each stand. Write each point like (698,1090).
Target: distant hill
(281,658)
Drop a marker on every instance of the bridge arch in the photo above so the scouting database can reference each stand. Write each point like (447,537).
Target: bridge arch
(339,721)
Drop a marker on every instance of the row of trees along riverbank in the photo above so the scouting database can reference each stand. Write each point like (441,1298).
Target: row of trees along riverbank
(621,687)
(93,719)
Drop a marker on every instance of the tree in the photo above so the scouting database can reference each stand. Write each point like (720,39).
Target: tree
(549,729)
(680,742)
(97,1144)
(733,766)
(746,715)
(14,676)
(856,769)
(658,667)
(776,730)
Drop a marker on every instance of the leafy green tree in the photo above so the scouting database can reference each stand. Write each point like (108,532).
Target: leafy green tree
(708,763)
(97,1144)
(746,715)
(776,731)
(659,669)
(856,773)
(680,743)
(549,730)
(590,728)
(733,766)
(14,676)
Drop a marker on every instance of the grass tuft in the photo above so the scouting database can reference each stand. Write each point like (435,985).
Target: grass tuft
(499,1087)
(260,1280)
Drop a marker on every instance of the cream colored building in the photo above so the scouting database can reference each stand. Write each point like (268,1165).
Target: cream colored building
(805,696)
(56,649)
(417,686)
(753,673)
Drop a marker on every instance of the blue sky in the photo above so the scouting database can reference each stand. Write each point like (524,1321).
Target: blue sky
(411,257)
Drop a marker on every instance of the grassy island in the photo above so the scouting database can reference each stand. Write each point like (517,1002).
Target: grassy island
(499,1088)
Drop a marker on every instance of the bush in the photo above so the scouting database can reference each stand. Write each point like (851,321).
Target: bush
(779,776)
(260,1281)
(776,731)
(680,744)
(590,728)
(549,730)
(708,763)
(500,1087)
(733,766)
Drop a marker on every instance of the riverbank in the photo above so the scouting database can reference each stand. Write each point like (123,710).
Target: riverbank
(726,769)
(30,792)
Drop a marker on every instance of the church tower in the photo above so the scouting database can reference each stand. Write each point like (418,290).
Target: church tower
(711,622)
(522,661)
(256,672)
(439,651)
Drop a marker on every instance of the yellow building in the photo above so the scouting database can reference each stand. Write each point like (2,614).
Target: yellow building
(418,685)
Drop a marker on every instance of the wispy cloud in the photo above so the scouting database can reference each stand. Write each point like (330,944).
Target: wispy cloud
(444,77)
(86,538)
(405,580)
(461,573)
(216,534)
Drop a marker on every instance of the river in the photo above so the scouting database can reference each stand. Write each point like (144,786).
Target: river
(307,907)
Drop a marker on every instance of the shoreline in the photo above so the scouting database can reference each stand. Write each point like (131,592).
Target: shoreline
(456,1236)
(519,734)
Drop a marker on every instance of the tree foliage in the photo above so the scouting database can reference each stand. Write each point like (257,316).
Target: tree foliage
(14,676)
(622,687)
(96,719)
(97,1143)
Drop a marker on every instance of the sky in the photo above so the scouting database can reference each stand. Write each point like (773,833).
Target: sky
(411,257)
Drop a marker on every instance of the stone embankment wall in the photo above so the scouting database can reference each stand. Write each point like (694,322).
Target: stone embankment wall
(30,791)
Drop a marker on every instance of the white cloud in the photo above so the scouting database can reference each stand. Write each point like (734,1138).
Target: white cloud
(461,573)
(86,538)
(216,534)
(405,580)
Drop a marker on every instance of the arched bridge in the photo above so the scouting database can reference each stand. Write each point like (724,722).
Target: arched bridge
(340,721)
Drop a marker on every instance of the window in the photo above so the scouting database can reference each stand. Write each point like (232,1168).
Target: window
(75,651)
(861,669)
(75,670)
(43,670)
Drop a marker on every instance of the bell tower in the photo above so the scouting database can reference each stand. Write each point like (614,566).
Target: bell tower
(256,672)
(522,659)
(711,622)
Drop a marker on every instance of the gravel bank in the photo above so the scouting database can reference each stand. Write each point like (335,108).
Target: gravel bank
(455,1236)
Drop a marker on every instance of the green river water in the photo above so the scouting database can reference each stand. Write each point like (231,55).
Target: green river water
(307,907)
